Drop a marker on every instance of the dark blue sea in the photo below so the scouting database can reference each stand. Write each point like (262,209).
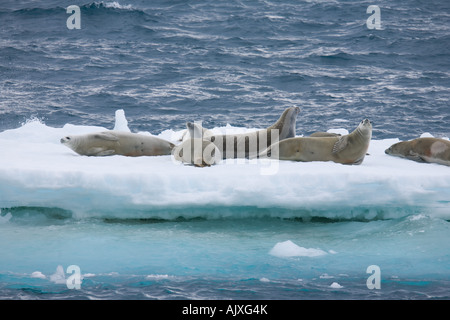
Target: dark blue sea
(166,62)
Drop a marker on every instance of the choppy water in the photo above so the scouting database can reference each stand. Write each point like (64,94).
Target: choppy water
(167,62)
(237,62)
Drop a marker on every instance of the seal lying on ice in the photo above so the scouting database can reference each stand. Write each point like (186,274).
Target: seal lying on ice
(346,149)
(433,150)
(108,143)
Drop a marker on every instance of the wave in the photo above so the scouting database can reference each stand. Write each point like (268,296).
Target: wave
(105,5)
(89,8)
(113,5)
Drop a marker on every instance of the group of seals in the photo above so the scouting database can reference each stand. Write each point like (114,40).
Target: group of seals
(320,146)
(211,148)
(200,147)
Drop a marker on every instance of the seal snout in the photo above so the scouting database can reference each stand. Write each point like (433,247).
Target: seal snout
(65,139)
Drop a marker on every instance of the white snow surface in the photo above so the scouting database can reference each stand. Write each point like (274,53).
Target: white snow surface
(36,170)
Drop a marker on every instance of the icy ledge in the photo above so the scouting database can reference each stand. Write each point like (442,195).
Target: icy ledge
(37,171)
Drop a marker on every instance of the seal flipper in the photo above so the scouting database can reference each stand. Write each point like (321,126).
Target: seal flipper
(201,164)
(109,136)
(359,161)
(321,134)
(340,144)
(98,151)
(415,157)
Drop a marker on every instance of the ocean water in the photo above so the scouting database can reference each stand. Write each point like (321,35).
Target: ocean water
(149,228)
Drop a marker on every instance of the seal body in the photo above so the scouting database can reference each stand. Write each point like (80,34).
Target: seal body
(324,134)
(197,152)
(247,145)
(117,143)
(346,149)
(432,150)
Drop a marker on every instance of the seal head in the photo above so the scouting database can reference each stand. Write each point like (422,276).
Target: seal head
(286,123)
